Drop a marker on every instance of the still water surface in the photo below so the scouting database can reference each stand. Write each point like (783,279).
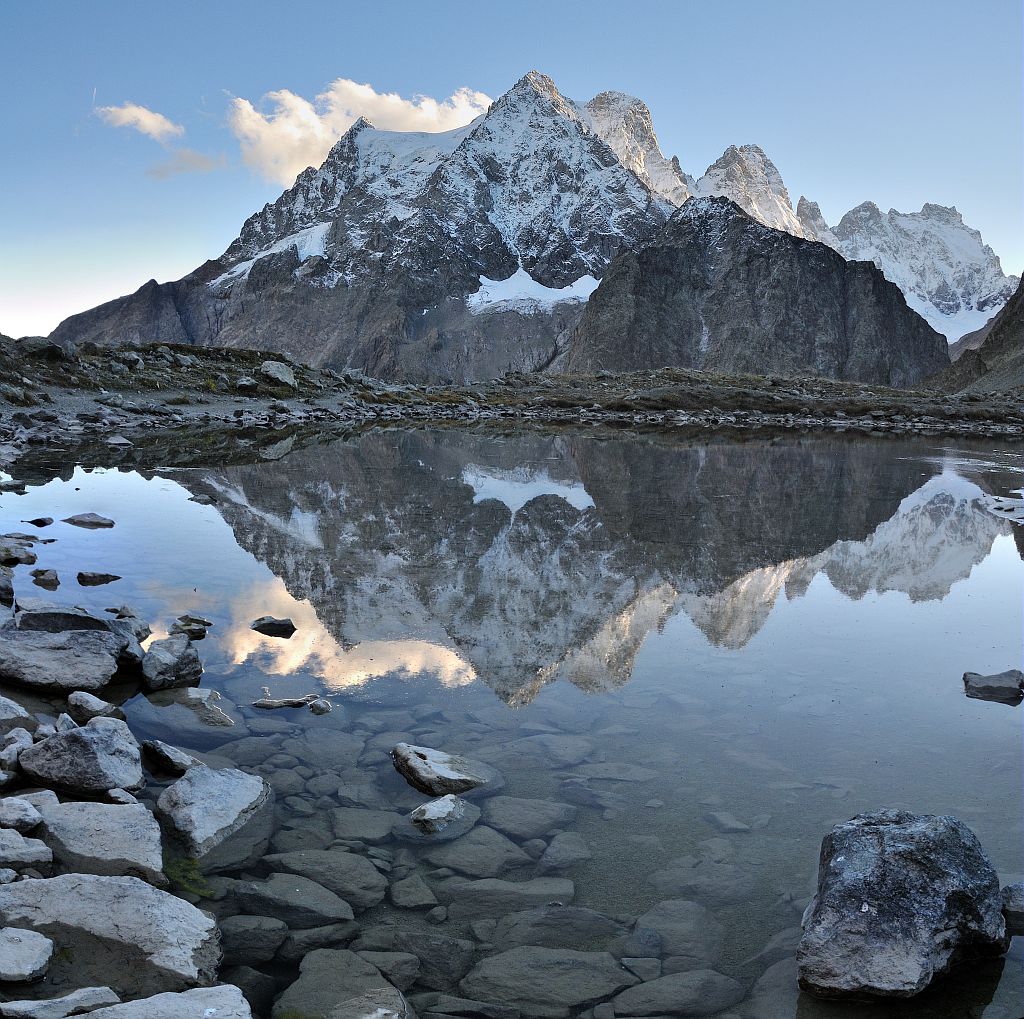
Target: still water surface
(771,629)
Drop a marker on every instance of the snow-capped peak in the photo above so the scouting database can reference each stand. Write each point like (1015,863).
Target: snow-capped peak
(747,176)
(625,124)
(813,224)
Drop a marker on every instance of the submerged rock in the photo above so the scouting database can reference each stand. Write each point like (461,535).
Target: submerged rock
(494,897)
(223,818)
(439,820)
(349,875)
(546,982)
(481,852)
(556,927)
(437,774)
(328,977)
(296,900)
(525,818)
(98,756)
(697,992)
(901,900)
(1002,687)
(171,942)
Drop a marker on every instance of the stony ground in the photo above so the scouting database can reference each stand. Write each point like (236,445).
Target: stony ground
(59,399)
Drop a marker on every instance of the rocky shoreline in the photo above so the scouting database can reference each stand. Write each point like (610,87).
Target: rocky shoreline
(58,398)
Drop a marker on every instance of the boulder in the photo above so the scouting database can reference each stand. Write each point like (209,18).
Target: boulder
(697,992)
(300,943)
(327,977)
(19,814)
(294,899)
(89,520)
(398,968)
(24,955)
(83,706)
(85,999)
(279,372)
(57,662)
(901,900)
(163,757)
(350,876)
(171,943)
(443,960)
(546,982)
(1002,687)
(359,824)
(223,1002)
(685,930)
(436,773)
(1013,908)
(98,756)
(171,662)
(18,853)
(14,716)
(412,892)
(567,849)
(251,939)
(105,838)
(223,819)
(525,818)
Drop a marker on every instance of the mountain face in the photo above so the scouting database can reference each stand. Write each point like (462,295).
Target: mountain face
(464,254)
(717,288)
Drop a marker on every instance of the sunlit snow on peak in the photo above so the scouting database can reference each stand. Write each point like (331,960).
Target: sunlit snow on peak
(521,292)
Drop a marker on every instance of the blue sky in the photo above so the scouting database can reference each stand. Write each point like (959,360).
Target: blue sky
(897,102)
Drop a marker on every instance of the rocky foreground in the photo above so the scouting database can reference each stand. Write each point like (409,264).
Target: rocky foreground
(59,397)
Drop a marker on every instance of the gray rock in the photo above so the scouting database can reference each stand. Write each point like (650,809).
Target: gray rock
(560,751)
(89,520)
(198,716)
(24,955)
(224,1002)
(259,989)
(98,756)
(163,757)
(440,820)
(352,877)
(270,626)
(320,706)
(57,662)
(443,960)
(46,579)
(171,662)
(223,819)
(251,939)
(546,982)
(556,927)
(525,818)
(105,838)
(685,929)
(901,900)
(1002,687)
(277,371)
(89,578)
(83,706)
(437,773)
(412,892)
(327,977)
(775,993)
(294,899)
(725,822)
(399,968)
(371,826)
(19,814)
(385,1002)
(300,943)
(85,999)
(468,900)
(19,853)
(1013,908)
(699,992)
(171,942)
(14,716)
(481,852)
(643,968)
(435,1003)
(567,849)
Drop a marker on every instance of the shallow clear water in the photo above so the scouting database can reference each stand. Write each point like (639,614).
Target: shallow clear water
(774,629)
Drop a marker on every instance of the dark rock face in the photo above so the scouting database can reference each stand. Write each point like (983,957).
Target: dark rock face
(1003,687)
(901,900)
(718,290)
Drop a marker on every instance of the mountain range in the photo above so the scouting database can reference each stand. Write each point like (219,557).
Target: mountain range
(464,254)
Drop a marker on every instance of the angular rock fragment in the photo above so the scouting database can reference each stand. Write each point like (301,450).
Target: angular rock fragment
(1002,687)
(171,662)
(91,521)
(270,626)
(296,900)
(19,853)
(439,820)
(437,773)
(24,955)
(74,660)
(351,876)
(83,706)
(163,757)
(88,578)
(98,756)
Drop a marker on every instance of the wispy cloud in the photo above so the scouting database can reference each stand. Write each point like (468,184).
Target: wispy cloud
(186,161)
(148,122)
(295,132)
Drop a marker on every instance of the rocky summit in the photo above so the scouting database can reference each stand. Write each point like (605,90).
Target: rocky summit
(461,255)
(717,289)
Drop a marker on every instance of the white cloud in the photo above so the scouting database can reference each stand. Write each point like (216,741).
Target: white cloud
(296,133)
(148,122)
(185,161)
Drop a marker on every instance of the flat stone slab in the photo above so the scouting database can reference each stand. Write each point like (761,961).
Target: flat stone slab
(482,852)
(222,1002)
(74,660)
(173,942)
(556,927)
(89,520)
(296,900)
(350,876)
(363,825)
(525,819)
(105,838)
(24,955)
(698,992)
(685,930)
(494,897)
(85,999)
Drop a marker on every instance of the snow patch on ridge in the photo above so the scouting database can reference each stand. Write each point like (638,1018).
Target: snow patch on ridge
(521,292)
(518,487)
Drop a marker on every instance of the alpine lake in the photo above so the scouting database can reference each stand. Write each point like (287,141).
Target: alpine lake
(687,657)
